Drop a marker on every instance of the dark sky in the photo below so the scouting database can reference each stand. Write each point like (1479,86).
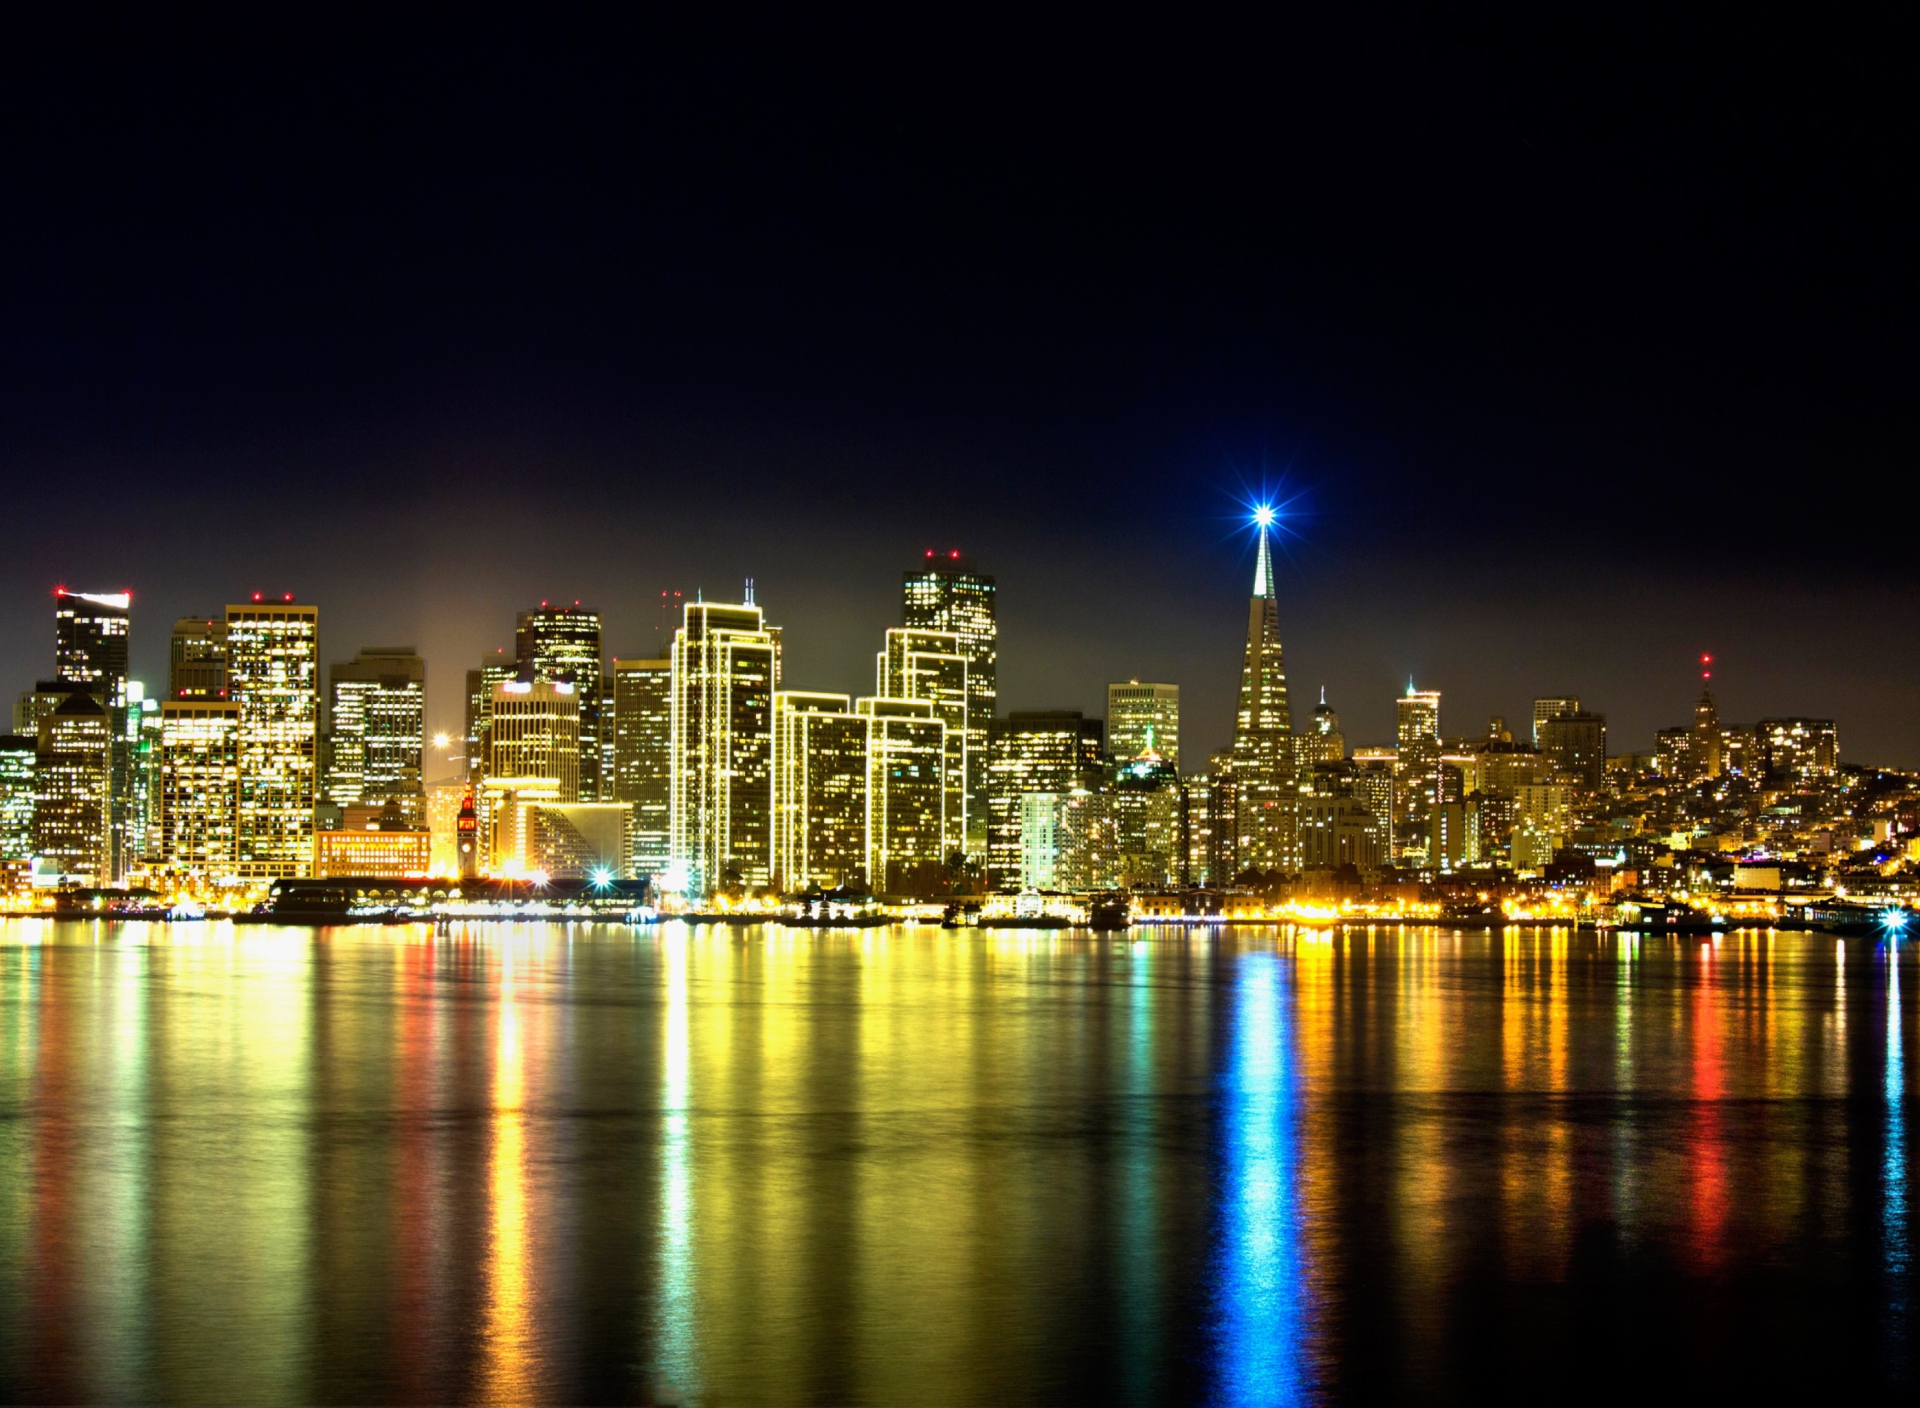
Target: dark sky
(1577,351)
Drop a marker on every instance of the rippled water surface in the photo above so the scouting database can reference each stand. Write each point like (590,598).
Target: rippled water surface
(736,1166)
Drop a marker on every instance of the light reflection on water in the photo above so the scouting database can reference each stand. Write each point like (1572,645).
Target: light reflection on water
(582,1163)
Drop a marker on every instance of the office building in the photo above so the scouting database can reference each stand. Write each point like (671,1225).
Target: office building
(141,739)
(1196,831)
(1553,708)
(1338,830)
(1143,718)
(578,840)
(640,722)
(1322,742)
(1042,815)
(1416,759)
(1263,754)
(19,754)
(1372,783)
(819,792)
(377,719)
(533,758)
(197,659)
(930,665)
(947,594)
(1574,746)
(1223,819)
(444,800)
(1542,817)
(493,670)
(199,787)
(720,817)
(906,795)
(37,703)
(1145,800)
(90,642)
(1088,831)
(1799,750)
(73,768)
(1454,835)
(1038,751)
(273,674)
(562,643)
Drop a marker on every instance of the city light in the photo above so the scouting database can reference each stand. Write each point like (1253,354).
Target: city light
(1263,516)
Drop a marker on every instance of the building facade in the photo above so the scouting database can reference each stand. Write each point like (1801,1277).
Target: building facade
(725,672)
(1143,718)
(948,594)
(200,787)
(819,792)
(273,674)
(906,795)
(640,720)
(377,717)
(197,659)
(562,643)
(1039,751)
(1263,753)
(73,767)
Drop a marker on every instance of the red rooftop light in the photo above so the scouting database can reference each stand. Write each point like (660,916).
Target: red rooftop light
(256,596)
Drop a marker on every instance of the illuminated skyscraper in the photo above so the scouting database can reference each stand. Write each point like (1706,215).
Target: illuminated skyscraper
(1143,716)
(199,786)
(1417,760)
(906,795)
(819,791)
(947,594)
(1262,733)
(197,659)
(1323,742)
(1575,747)
(494,669)
(91,642)
(273,675)
(563,643)
(1552,708)
(725,671)
(1042,751)
(533,757)
(931,665)
(377,716)
(18,757)
(641,723)
(72,818)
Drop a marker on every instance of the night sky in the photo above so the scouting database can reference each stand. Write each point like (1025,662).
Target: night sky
(1575,353)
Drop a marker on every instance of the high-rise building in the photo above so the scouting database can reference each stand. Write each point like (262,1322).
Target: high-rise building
(1799,749)
(197,659)
(533,758)
(73,766)
(200,787)
(906,795)
(273,674)
(1575,747)
(19,754)
(1417,760)
(640,722)
(1196,831)
(1143,717)
(1263,754)
(563,643)
(1552,708)
(725,671)
(930,665)
(37,703)
(819,792)
(1339,829)
(142,742)
(1223,819)
(90,642)
(493,670)
(1145,793)
(1039,751)
(377,717)
(1322,742)
(947,594)
(1707,737)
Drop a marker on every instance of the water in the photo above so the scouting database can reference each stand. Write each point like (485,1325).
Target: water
(582,1163)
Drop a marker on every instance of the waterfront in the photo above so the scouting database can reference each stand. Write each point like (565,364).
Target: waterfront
(581,1162)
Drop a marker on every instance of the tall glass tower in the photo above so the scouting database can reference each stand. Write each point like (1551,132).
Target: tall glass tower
(562,643)
(947,594)
(1263,759)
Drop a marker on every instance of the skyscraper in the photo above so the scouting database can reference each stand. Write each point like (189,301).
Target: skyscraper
(563,643)
(819,791)
(72,817)
(1323,742)
(725,671)
(1416,767)
(199,786)
(377,716)
(90,642)
(930,665)
(1575,747)
(273,675)
(1140,716)
(1262,743)
(1552,708)
(19,755)
(947,594)
(641,723)
(1039,751)
(480,685)
(197,659)
(906,795)
(533,757)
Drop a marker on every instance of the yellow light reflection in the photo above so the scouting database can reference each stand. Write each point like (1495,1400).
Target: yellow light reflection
(506,1333)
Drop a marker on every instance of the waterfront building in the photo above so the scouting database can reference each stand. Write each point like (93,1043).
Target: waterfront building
(1196,831)
(73,768)
(1145,792)
(948,594)
(273,674)
(1798,750)
(1089,842)
(562,643)
(1263,753)
(1575,747)
(1223,819)
(1041,816)
(19,754)
(640,723)
(819,792)
(578,840)
(1033,751)
(197,659)
(1143,718)
(493,670)
(1337,829)
(444,800)
(199,787)
(141,842)
(1552,708)
(377,717)
(720,816)
(379,842)
(906,795)
(535,733)
(931,665)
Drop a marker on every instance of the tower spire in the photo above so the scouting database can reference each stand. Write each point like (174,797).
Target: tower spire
(1263,568)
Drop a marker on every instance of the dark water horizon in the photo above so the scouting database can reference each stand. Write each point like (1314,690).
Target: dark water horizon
(579,1162)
